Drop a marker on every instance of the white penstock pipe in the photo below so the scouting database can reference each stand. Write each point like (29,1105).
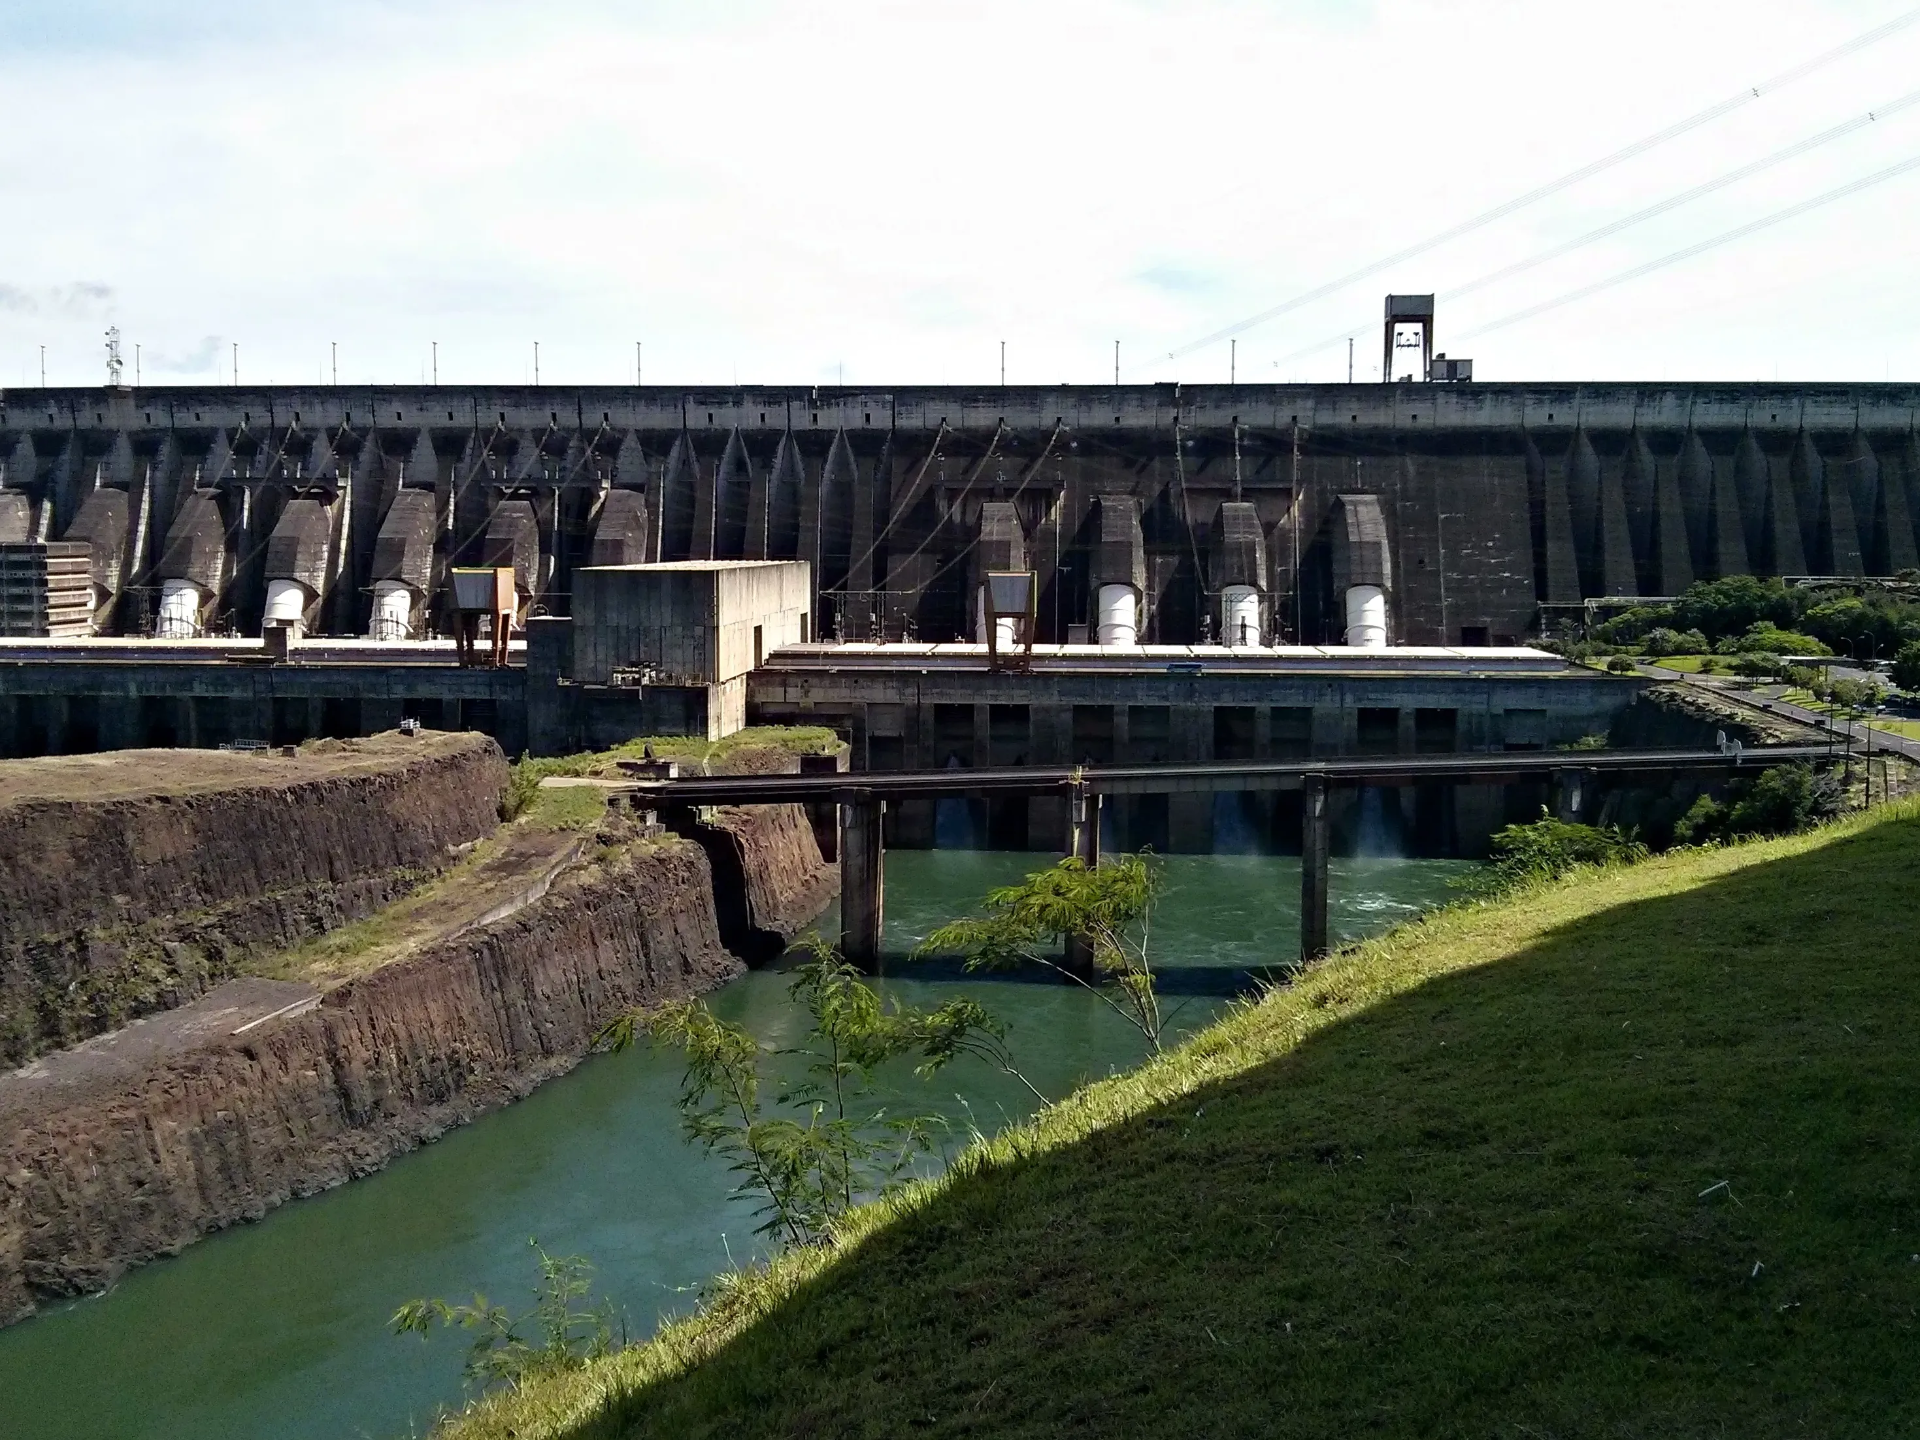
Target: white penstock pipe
(287,602)
(1240,615)
(179,617)
(1119,615)
(1366,617)
(392,611)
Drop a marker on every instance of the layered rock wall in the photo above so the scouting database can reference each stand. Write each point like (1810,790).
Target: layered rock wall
(384,1063)
(141,896)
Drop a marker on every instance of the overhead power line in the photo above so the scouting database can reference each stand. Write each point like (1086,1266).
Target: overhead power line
(1839,192)
(1554,187)
(1705,187)
(1661,207)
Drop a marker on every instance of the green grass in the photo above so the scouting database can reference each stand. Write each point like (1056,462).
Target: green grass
(1893,725)
(1632,1155)
(522,788)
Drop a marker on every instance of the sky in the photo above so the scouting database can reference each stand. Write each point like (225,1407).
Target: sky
(884,192)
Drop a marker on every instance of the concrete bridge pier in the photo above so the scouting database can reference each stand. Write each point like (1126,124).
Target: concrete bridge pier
(1083,825)
(862,878)
(1315,844)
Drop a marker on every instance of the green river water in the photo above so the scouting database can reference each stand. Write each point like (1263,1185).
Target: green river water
(278,1329)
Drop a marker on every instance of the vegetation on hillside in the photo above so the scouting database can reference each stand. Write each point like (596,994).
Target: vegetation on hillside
(1746,616)
(1628,1156)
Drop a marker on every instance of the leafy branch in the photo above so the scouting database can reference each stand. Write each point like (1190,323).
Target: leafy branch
(820,1147)
(551,1337)
(1107,908)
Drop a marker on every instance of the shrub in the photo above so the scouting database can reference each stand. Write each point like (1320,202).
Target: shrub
(1733,606)
(1759,667)
(1783,801)
(1906,666)
(1622,665)
(554,1336)
(1804,676)
(1631,625)
(1764,638)
(1548,848)
(1665,641)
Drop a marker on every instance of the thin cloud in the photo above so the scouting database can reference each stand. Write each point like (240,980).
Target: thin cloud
(81,299)
(197,361)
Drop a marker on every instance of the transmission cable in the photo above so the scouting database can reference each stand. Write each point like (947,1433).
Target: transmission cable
(1661,207)
(1840,192)
(1554,187)
(1706,187)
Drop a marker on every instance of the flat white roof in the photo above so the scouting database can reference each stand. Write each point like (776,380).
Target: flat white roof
(670,565)
(1214,659)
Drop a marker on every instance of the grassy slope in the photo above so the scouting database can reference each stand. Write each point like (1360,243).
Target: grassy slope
(1449,1184)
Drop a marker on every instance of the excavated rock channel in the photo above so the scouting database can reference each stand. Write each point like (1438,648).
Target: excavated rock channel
(470,996)
(138,880)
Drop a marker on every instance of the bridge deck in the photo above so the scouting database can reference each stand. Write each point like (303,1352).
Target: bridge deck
(1201,778)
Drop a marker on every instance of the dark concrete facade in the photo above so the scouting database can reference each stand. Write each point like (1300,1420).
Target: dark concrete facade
(1493,498)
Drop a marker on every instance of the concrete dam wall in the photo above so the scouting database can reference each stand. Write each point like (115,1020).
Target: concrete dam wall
(1215,506)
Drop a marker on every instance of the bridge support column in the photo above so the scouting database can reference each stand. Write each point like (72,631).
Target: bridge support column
(1083,815)
(862,879)
(1315,842)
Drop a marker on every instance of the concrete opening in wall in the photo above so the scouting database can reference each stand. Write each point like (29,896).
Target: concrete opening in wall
(1362,569)
(179,617)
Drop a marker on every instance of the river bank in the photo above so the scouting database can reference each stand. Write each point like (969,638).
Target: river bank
(278,1328)
(1629,1153)
(377,1037)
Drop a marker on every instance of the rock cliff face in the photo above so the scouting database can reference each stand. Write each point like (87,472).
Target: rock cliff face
(384,1063)
(137,880)
(769,877)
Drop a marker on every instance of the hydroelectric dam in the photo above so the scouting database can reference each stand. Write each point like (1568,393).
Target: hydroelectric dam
(1238,513)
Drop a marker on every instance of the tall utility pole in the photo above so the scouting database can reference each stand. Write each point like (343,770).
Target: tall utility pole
(43,367)
(1349,359)
(1233,362)
(1116,364)
(136,365)
(436,360)
(333,355)
(638,369)
(236,364)
(1003,364)
(536,362)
